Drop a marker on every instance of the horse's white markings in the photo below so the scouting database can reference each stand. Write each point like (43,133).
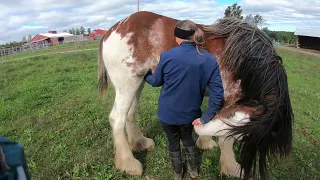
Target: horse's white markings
(206,142)
(233,88)
(116,54)
(156,35)
(115,51)
(218,127)
(230,89)
(155,39)
(229,165)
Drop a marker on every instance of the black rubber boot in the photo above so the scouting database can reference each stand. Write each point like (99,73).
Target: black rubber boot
(192,161)
(177,165)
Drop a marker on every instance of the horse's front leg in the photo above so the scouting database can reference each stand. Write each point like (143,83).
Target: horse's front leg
(137,141)
(206,142)
(228,164)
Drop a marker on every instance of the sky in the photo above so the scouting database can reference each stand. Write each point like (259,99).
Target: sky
(19,18)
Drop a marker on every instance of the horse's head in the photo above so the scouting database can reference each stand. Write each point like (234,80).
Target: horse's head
(253,76)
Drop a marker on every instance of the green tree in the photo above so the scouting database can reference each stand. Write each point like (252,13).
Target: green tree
(24,39)
(233,11)
(82,30)
(89,30)
(281,36)
(77,31)
(256,20)
(72,31)
(29,37)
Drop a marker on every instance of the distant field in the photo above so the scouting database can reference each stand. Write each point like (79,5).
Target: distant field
(51,105)
(301,50)
(54,49)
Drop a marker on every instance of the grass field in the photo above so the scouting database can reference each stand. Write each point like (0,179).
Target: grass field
(51,105)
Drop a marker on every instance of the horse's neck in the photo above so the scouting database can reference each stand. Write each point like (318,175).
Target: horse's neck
(231,87)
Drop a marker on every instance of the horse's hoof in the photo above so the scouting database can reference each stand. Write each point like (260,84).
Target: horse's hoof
(206,142)
(143,144)
(130,166)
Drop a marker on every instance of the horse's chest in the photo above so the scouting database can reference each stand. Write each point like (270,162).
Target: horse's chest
(232,89)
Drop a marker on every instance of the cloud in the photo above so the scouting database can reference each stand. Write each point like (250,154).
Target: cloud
(18,18)
(285,14)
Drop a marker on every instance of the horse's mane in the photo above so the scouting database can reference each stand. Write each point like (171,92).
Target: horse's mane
(250,56)
(243,41)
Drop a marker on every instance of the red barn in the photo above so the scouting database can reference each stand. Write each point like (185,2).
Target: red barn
(51,37)
(96,34)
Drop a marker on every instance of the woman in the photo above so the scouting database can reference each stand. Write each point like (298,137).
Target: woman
(185,71)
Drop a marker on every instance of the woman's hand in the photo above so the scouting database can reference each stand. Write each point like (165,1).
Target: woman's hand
(197,122)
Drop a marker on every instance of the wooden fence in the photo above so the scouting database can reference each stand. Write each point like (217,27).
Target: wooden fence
(18,49)
(76,40)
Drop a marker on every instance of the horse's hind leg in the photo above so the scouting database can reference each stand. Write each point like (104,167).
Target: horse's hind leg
(135,137)
(206,142)
(228,164)
(124,159)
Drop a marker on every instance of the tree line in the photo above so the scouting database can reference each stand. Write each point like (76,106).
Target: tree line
(79,31)
(257,20)
(281,36)
(12,44)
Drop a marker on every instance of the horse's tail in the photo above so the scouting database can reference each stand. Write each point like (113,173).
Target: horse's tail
(102,72)
(249,54)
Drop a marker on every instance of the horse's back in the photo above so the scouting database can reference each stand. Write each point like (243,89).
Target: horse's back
(137,41)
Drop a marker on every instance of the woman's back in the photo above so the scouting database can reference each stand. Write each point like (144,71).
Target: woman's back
(186,75)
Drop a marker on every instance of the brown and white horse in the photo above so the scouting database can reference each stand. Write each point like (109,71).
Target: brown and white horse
(257,109)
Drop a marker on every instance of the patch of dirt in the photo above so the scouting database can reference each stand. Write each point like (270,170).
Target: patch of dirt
(313,141)
(301,50)
(303,132)
(149,178)
(316,143)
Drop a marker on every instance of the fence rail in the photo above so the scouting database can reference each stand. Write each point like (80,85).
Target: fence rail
(76,40)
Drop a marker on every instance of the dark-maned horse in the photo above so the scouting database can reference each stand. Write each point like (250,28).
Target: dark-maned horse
(256,111)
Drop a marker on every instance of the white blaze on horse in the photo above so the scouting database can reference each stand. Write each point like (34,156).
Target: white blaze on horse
(256,109)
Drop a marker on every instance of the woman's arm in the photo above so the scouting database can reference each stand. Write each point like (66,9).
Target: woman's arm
(216,93)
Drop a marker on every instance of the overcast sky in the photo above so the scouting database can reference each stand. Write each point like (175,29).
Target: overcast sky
(19,18)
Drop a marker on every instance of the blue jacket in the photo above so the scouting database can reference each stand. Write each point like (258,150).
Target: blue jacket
(184,75)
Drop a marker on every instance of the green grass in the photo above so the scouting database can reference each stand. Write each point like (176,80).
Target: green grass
(51,105)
